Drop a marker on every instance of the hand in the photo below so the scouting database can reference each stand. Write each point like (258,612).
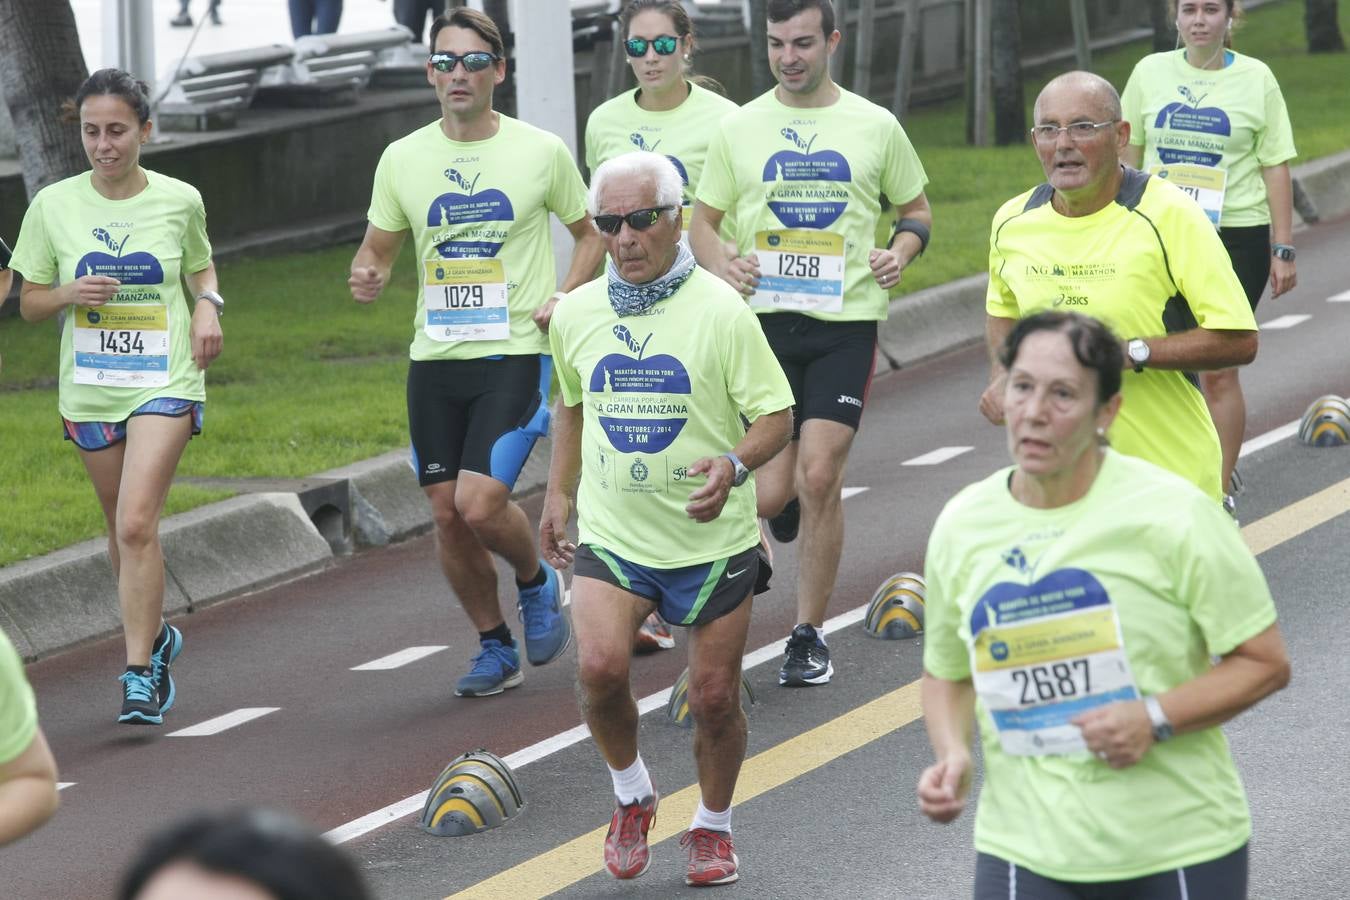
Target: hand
(742,273)
(886,267)
(557,550)
(943,787)
(93,290)
(205,335)
(705,504)
(366,283)
(1118,734)
(544,314)
(1283,276)
(991,401)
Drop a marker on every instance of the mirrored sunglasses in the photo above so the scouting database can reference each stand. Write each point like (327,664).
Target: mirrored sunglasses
(665,45)
(638,219)
(476,61)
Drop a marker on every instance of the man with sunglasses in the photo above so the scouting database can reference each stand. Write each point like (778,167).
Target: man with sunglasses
(1134,251)
(658,361)
(476,188)
(803,167)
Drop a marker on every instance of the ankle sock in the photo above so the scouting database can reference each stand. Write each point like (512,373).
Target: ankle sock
(713,821)
(539,580)
(501,633)
(633,783)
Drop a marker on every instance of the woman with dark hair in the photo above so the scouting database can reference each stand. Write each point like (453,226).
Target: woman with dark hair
(247,854)
(1075,602)
(670,112)
(109,249)
(1214,122)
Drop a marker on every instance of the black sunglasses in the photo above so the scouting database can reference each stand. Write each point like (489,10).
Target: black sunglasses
(665,45)
(476,61)
(638,219)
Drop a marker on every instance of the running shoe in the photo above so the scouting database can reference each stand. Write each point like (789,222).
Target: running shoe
(712,858)
(654,635)
(182,20)
(167,647)
(626,852)
(547,632)
(494,669)
(784,525)
(139,703)
(806,660)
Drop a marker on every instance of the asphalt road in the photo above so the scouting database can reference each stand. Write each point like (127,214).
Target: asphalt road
(333,744)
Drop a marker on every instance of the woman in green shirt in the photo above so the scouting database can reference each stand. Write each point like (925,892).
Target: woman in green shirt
(109,249)
(1075,602)
(1214,123)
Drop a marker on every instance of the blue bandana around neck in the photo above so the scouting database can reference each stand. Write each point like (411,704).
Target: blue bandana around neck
(630,299)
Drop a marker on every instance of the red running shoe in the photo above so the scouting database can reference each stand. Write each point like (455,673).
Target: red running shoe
(712,859)
(654,635)
(626,853)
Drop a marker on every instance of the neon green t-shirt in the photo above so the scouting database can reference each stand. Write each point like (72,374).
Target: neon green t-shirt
(821,171)
(136,347)
(1232,118)
(661,390)
(478,212)
(1183,587)
(18,709)
(1147,264)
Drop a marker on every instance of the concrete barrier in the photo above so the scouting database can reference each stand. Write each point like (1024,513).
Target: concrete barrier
(1322,188)
(933,321)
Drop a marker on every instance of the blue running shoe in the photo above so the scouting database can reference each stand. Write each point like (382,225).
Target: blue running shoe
(167,647)
(140,705)
(547,631)
(494,669)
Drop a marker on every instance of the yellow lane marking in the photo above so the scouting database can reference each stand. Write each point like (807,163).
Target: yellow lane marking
(583,856)
(569,863)
(1296,518)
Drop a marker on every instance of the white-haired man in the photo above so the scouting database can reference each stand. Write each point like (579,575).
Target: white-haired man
(658,361)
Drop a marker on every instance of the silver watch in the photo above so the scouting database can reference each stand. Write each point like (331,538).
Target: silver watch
(214,299)
(1139,352)
(1162,729)
(739,472)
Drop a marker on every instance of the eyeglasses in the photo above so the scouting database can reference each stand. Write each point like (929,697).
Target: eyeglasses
(638,219)
(476,61)
(1078,131)
(665,45)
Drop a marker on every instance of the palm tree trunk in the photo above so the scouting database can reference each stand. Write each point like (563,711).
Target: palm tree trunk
(1010,113)
(1324,32)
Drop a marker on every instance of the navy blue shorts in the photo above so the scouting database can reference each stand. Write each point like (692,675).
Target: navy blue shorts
(1224,878)
(476,415)
(689,595)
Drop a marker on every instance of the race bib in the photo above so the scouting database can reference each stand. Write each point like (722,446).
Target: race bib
(1205,184)
(1046,655)
(465,300)
(123,345)
(800,269)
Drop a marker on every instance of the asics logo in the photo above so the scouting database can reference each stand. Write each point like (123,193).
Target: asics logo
(731,575)
(852,401)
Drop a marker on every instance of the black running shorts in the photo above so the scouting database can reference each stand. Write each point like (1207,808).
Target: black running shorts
(828,364)
(1224,878)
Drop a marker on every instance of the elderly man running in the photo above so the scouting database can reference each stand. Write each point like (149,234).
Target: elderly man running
(658,361)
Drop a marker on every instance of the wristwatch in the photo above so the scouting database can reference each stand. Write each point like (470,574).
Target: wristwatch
(1162,729)
(1138,352)
(214,299)
(1282,251)
(741,473)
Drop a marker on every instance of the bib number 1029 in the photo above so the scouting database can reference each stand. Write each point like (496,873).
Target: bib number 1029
(1055,682)
(796,265)
(462,296)
(121,342)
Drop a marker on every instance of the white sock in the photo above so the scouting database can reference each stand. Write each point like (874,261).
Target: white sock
(713,821)
(633,783)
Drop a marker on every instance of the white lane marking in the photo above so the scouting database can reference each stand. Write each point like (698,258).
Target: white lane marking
(62,785)
(401,658)
(1274,436)
(940,455)
(1342,297)
(847,492)
(225,722)
(1288,321)
(523,757)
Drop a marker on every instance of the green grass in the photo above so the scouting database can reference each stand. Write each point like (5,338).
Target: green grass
(310,381)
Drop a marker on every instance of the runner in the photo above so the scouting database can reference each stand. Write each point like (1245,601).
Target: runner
(650,426)
(1129,249)
(27,771)
(475,188)
(668,113)
(1076,602)
(109,249)
(1214,123)
(802,168)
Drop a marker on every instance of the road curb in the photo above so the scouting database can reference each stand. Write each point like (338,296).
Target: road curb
(251,541)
